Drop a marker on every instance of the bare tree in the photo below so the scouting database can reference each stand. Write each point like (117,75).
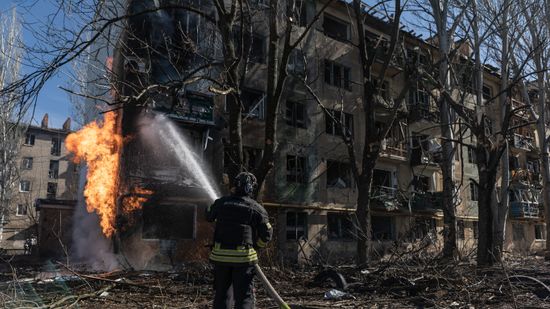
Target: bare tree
(11,111)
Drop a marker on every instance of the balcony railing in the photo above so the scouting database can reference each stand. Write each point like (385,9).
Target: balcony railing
(391,147)
(524,210)
(384,192)
(419,112)
(521,141)
(427,201)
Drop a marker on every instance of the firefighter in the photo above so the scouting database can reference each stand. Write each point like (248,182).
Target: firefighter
(242,227)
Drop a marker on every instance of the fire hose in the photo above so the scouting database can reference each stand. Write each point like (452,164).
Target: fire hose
(270,289)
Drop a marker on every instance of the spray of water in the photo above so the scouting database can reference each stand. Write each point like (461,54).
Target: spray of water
(171,138)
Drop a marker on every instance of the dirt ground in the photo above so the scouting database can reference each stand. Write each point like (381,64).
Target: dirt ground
(408,283)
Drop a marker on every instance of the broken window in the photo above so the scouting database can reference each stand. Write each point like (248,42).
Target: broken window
(296,169)
(253,103)
(53,172)
(421,183)
(334,120)
(475,229)
(56,146)
(336,28)
(24,186)
(21,210)
(419,97)
(460,229)
(296,225)
(338,175)
(296,62)
(257,49)
(414,56)
(471,155)
(474,192)
(26,164)
(295,114)
(423,227)
(251,157)
(337,75)
(29,139)
(382,178)
(162,221)
(300,13)
(383,228)
(539,232)
(51,190)
(533,166)
(517,231)
(487,92)
(339,226)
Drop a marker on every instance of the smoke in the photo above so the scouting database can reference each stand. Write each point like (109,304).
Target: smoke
(90,246)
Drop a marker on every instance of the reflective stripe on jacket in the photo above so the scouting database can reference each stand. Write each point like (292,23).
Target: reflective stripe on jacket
(239,255)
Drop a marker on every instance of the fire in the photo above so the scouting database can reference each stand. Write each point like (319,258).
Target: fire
(100,145)
(136,199)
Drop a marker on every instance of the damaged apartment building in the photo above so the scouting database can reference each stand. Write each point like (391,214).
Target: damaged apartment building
(47,181)
(310,194)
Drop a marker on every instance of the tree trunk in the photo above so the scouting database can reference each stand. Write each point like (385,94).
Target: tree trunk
(447,169)
(363,214)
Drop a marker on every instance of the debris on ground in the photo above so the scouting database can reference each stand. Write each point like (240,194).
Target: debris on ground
(407,283)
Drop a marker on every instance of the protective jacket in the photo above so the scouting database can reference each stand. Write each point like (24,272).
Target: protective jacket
(242,225)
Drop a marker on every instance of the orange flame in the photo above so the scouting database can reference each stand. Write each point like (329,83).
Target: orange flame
(133,202)
(100,145)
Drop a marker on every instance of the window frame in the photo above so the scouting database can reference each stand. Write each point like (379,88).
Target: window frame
(291,114)
(30,139)
(299,173)
(333,128)
(474,192)
(343,167)
(296,228)
(332,35)
(541,231)
(21,182)
(27,163)
(337,75)
(54,193)
(342,232)
(56,146)
(21,210)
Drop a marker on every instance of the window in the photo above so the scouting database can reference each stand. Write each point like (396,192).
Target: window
(56,146)
(52,190)
(382,178)
(517,232)
(471,155)
(421,183)
(460,229)
(415,57)
(251,157)
(53,172)
(338,175)
(26,164)
(295,114)
(296,169)
(173,222)
(300,13)
(21,210)
(420,97)
(29,139)
(382,228)
(487,92)
(24,186)
(337,75)
(539,232)
(253,103)
(297,63)
(474,192)
(257,49)
(423,227)
(339,226)
(475,229)
(296,225)
(336,28)
(335,119)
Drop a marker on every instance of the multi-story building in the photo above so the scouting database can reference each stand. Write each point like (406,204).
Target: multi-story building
(46,172)
(311,193)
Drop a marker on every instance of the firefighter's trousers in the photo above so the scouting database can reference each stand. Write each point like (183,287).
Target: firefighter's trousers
(240,279)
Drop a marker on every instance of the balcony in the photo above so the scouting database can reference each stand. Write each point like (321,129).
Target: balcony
(521,141)
(392,148)
(385,198)
(524,210)
(520,109)
(384,192)
(427,201)
(419,112)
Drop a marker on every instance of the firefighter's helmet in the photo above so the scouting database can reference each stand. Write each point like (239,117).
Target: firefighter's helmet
(245,183)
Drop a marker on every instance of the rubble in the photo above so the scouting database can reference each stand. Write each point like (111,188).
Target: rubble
(408,282)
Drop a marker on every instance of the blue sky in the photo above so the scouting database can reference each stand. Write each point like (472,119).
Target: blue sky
(51,100)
